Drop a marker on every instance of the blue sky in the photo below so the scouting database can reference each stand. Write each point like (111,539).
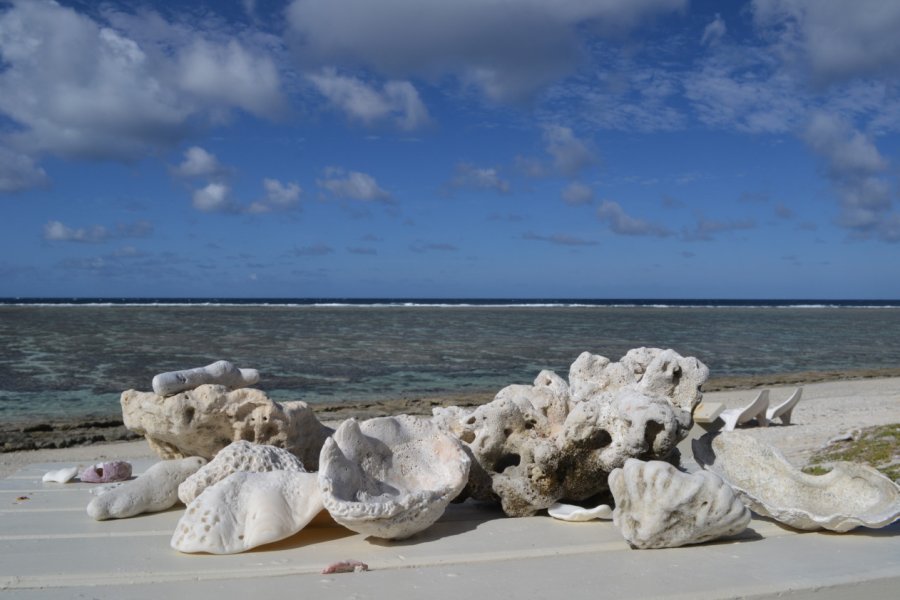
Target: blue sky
(475,148)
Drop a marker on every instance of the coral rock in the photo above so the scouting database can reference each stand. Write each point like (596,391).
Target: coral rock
(246,510)
(535,445)
(849,496)
(201,422)
(155,490)
(107,472)
(390,477)
(238,456)
(220,373)
(658,506)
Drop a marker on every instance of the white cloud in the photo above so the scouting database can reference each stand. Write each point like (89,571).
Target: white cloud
(18,172)
(199,163)
(559,239)
(353,185)
(77,87)
(570,154)
(214,197)
(507,52)
(857,170)
(279,196)
(714,32)
(621,223)
(482,178)
(705,229)
(577,193)
(397,100)
(835,40)
(56,231)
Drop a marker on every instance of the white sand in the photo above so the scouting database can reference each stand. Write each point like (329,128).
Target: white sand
(826,411)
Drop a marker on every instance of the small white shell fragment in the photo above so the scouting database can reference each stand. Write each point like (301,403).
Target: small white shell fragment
(64,475)
(155,490)
(238,456)
(246,510)
(577,514)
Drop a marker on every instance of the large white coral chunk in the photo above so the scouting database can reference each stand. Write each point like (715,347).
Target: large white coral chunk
(390,477)
(238,456)
(658,506)
(246,510)
(535,445)
(155,490)
(849,496)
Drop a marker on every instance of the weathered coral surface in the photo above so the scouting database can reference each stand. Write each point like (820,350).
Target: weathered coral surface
(202,421)
(220,372)
(849,496)
(238,456)
(658,506)
(535,445)
(390,477)
(246,510)
(107,472)
(155,490)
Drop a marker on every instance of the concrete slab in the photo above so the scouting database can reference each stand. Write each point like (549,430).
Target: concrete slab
(50,548)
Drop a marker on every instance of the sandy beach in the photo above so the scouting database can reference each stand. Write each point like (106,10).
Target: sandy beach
(829,409)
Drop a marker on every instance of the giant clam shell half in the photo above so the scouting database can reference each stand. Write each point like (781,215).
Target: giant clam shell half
(390,477)
(849,496)
(658,506)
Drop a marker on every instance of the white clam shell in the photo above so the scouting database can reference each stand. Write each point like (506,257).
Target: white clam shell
(64,475)
(238,456)
(155,490)
(390,477)
(246,510)
(577,514)
(849,496)
(658,506)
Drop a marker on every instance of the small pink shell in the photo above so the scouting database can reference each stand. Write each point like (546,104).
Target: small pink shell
(345,566)
(116,470)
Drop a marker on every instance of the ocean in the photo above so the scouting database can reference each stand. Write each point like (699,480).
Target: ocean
(71,358)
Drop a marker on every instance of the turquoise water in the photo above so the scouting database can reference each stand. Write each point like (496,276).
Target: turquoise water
(73,361)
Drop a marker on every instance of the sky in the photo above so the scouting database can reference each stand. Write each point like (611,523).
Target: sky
(471,149)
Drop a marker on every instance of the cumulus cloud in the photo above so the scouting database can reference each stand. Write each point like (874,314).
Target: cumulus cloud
(279,196)
(856,170)
(622,223)
(480,178)
(317,249)
(19,172)
(420,247)
(199,163)
(214,197)
(506,54)
(577,193)
(836,41)
(396,100)
(560,239)
(79,87)
(714,32)
(570,154)
(57,231)
(352,185)
(705,230)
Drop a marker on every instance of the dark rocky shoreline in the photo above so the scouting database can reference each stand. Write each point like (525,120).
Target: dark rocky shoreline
(36,435)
